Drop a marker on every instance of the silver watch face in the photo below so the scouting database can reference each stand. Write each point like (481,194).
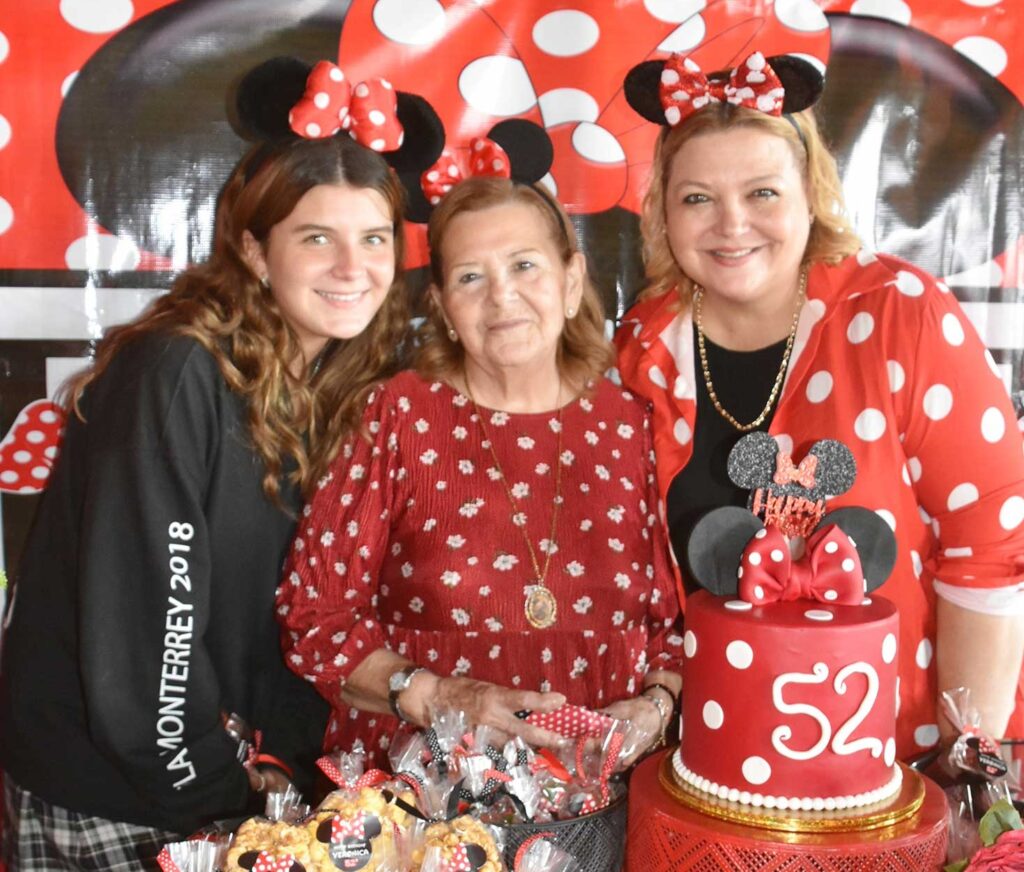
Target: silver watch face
(398,681)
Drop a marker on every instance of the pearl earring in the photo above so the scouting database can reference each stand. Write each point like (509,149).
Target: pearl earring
(570,312)
(453,335)
(265,281)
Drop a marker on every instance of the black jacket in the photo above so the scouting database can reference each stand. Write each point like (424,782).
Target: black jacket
(143,607)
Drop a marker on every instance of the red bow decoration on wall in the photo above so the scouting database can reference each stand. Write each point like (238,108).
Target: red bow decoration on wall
(486,158)
(786,472)
(267,862)
(829,572)
(685,89)
(367,111)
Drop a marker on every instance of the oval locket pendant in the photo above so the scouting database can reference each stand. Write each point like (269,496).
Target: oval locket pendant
(541,608)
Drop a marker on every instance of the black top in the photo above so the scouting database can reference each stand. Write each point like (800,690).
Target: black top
(743,380)
(143,609)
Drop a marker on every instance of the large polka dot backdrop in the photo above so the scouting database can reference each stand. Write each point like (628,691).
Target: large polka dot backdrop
(563,68)
(42,47)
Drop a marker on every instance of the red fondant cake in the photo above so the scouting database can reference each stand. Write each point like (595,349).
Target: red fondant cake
(789,705)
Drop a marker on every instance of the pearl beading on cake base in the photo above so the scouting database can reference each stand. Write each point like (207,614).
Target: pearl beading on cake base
(784,803)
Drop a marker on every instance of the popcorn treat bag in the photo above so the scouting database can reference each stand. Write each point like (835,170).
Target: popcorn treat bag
(462,844)
(540,855)
(195,855)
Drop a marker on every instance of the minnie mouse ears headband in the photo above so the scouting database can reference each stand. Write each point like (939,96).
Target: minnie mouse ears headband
(284,98)
(669,91)
(514,149)
(848,551)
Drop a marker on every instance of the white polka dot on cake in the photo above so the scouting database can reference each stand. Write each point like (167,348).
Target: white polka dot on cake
(738,605)
(756,770)
(714,717)
(689,643)
(818,615)
(890,751)
(889,648)
(739,654)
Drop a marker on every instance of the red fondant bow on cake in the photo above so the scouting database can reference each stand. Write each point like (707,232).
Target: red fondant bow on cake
(367,111)
(685,89)
(486,158)
(829,572)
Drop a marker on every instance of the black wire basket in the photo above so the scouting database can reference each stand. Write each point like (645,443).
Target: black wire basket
(596,840)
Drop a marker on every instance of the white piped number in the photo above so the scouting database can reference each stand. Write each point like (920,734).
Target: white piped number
(780,734)
(839,744)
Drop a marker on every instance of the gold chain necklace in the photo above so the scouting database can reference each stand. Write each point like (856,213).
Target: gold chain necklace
(698,303)
(541,607)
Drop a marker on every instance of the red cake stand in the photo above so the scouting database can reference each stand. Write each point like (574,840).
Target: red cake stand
(665,835)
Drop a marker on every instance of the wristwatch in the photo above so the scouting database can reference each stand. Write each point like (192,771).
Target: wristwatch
(398,682)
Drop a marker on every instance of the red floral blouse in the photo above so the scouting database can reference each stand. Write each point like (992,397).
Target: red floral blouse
(412,543)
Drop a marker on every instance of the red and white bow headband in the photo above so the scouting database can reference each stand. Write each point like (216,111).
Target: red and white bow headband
(684,89)
(368,110)
(486,158)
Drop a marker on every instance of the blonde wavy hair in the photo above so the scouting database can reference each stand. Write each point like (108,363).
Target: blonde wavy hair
(296,421)
(583,355)
(831,238)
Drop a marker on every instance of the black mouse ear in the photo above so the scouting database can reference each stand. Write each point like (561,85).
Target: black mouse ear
(642,87)
(528,147)
(476,856)
(836,469)
(266,94)
(716,546)
(751,462)
(423,141)
(802,80)
(873,539)
(371,825)
(417,207)
(248,859)
(323,832)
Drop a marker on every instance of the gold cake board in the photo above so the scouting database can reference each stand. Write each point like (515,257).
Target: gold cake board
(900,806)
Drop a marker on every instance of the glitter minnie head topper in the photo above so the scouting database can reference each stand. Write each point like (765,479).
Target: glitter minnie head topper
(845,552)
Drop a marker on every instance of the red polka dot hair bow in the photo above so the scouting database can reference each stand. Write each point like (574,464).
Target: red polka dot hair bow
(829,572)
(669,91)
(685,89)
(368,110)
(514,149)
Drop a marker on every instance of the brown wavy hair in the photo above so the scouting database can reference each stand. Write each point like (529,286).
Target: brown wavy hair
(832,236)
(296,421)
(583,355)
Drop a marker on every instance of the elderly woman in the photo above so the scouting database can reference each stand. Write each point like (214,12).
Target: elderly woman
(492,543)
(764,313)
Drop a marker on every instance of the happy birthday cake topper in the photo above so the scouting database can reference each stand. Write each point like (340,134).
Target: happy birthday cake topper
(846,553)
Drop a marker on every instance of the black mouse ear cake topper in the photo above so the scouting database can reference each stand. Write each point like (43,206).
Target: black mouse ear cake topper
(842,554)
(669,91)
(285,97)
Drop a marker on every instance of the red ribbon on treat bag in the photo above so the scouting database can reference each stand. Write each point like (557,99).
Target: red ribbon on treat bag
(685,89)
(829,572)
(486,158)
(330,104)
(370,778)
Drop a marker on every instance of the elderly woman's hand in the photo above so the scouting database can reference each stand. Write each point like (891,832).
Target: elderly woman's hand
(646,724)
(489,705)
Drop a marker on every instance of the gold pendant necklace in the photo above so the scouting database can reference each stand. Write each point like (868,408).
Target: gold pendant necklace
(698,305)
(541,607)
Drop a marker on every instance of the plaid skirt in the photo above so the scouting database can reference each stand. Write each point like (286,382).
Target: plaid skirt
(40,837)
